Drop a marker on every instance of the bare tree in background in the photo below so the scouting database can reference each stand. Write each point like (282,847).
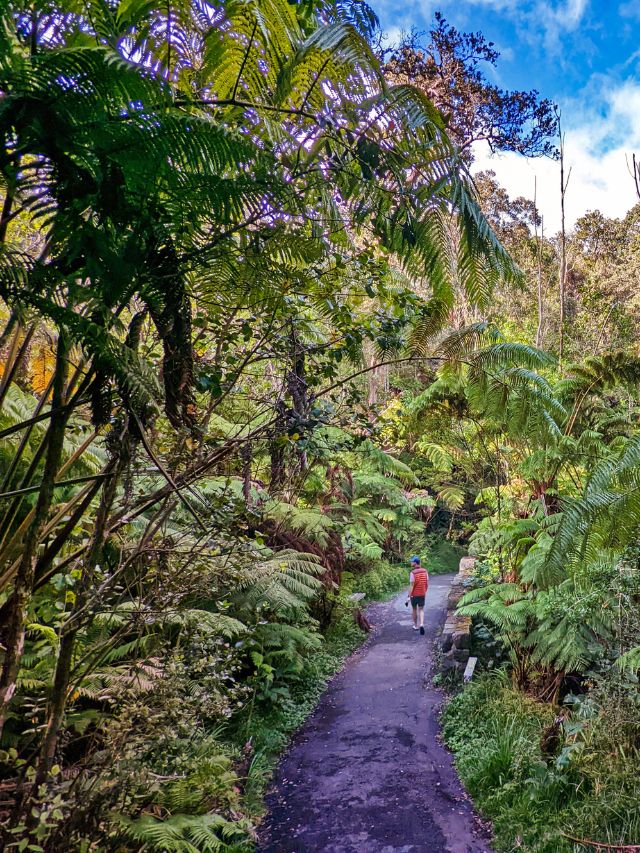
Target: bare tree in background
(539,242)
(453,69)
(563,239)
(635,173)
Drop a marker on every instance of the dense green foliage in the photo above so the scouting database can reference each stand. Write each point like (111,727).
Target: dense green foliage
(545,460)
(544,463)
(546,787)
(262,339)
(216,223)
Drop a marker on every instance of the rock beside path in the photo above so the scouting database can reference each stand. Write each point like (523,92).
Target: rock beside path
(367,772)
(456,639)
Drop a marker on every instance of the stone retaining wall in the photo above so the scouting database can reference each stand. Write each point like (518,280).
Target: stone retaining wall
(455,638)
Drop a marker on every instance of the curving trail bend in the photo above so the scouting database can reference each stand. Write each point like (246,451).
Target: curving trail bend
(367,772)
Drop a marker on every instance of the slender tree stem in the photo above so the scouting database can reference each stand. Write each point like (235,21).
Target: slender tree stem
(57,485)
(14,359)
(23,586)
(5,215)
(58,696)
(539,243)
(24,441)
(563,245)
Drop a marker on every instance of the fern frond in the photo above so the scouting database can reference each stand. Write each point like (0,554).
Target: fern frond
(209,833)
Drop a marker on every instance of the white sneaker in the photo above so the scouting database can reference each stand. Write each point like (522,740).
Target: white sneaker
(415,627)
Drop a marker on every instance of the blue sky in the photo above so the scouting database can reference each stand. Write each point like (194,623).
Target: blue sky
(583,54)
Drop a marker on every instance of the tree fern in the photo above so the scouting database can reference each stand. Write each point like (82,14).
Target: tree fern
(370,456)
(209,833)
(629,661)
(285,582)
(451,496)
(308,522)
(608,511)
(440,457)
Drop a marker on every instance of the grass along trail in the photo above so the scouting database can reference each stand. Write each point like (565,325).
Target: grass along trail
(367,772)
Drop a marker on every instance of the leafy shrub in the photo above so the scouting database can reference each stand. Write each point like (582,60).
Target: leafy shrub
(381,580)
(586,788)
(441,556)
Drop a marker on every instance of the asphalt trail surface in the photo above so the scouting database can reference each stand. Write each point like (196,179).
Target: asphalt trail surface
(367,772)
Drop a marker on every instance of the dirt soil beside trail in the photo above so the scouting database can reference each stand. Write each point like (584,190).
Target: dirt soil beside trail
(367,772)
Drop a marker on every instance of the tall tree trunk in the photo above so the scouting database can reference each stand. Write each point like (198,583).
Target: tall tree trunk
(540,299)
(15,631)
(277,449)
(539,244)
(298,388)
(170,311)
(372,375)
(246,454)
(5,214)
(563,244)
(69,631)
(56,706)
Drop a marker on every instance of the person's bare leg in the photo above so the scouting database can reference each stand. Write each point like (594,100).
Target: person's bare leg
(414,610)
(420,616)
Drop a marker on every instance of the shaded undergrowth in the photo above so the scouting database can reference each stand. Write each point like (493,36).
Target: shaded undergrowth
(548,780)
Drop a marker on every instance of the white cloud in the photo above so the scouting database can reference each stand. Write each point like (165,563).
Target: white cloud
(540,19)
(597,148)
(393,35)
(571,13)
(499,5)
(630,10)
(566,14)
(555,20)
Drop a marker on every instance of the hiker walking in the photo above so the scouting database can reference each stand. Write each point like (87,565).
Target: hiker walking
(418,586)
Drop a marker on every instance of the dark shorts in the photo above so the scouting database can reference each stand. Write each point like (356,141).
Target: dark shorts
(417,600)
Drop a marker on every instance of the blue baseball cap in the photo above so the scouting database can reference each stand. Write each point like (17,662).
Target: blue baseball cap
(415,559)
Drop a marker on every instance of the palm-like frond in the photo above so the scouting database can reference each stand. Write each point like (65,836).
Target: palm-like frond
(608,513)
(451,496)
(440,457)
(306,521)
(630,660)
(283,583)
(209,833)
(373,458)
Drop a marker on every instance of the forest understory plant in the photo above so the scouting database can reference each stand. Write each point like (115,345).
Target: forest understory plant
(552,756)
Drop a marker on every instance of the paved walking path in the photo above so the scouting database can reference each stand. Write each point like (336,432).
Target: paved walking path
(367,773)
